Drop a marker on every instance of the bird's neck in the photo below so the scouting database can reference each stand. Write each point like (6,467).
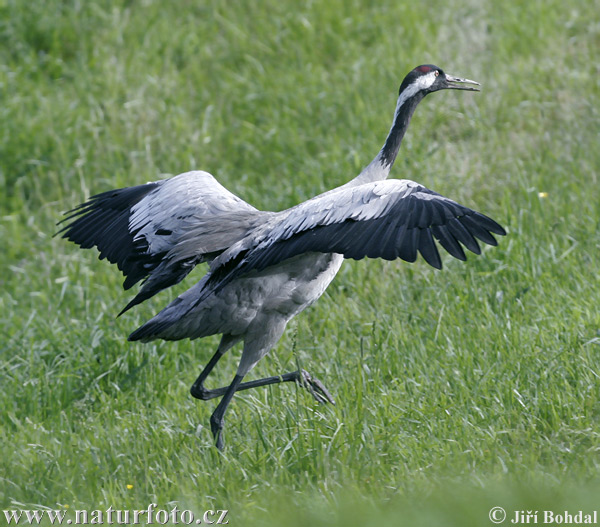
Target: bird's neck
(380,167)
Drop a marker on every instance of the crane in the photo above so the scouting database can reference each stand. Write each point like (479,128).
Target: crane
(266,267)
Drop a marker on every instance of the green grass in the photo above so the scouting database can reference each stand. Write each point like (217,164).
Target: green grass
(457,390)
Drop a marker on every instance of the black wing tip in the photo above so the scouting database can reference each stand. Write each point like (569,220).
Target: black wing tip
(138,299)
(435,264)
(408,259)
(127,308)
(61,231)
(475,249)
(490,224)
(65,230)
(428,249)
(496,228)
(492,241)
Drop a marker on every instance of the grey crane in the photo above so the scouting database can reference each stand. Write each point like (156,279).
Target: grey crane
(266,267)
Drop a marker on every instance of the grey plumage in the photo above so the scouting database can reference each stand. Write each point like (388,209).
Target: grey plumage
(266,267)
(158,232)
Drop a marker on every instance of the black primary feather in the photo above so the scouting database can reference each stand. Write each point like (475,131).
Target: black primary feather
(406,229)
(103,222)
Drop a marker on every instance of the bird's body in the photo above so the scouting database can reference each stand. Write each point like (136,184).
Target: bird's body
(254,308)
(266,267)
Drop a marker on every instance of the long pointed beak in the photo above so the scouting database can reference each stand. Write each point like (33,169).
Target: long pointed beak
(455,83)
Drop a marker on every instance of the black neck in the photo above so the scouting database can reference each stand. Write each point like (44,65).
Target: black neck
(402,118)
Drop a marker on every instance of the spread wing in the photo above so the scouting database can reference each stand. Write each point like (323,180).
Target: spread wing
(384,219)
(159,231)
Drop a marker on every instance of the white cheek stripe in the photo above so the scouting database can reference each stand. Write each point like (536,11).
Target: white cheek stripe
(422,83)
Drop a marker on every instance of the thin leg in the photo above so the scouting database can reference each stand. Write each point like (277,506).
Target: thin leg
(217,419)
(198,390)
(314,386)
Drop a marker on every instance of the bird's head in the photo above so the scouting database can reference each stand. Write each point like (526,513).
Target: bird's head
(429,78)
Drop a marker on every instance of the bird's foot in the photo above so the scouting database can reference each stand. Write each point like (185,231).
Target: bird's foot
(315,387)
(216,428)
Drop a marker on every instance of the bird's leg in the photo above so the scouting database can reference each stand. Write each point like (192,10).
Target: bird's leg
(302,377)
(217,419)
(198,390)
(314,386)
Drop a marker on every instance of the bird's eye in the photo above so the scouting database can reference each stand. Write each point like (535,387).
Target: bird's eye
(437,73)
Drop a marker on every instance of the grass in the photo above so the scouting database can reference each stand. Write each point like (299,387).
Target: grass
(457,390)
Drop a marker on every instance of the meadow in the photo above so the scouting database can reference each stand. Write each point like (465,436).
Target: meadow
(457,391)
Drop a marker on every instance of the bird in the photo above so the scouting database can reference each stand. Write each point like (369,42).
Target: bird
(264,267)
